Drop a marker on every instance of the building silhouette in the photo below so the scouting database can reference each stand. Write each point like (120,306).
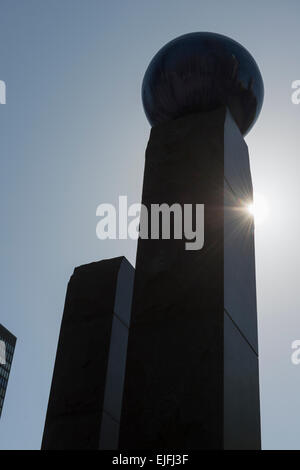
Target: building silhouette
(85,400)
(191,378)
(7,349)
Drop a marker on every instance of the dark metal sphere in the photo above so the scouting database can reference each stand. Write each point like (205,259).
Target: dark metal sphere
(200,72)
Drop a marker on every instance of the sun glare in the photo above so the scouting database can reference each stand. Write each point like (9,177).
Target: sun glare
(258,209)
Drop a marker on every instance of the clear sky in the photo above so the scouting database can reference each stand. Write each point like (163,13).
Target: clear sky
(73,135)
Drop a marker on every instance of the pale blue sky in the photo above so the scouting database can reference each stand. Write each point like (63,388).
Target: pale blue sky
(73,135)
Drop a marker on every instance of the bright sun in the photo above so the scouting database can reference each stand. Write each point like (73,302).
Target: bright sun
(259,209)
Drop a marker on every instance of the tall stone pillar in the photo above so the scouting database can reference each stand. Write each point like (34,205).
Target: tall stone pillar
(192,371)
(87,386)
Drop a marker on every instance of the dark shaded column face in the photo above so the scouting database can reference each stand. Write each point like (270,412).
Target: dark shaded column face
(174,381)
(87,387)
(241,382)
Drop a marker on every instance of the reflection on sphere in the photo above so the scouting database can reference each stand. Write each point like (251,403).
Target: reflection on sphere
(200,72)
